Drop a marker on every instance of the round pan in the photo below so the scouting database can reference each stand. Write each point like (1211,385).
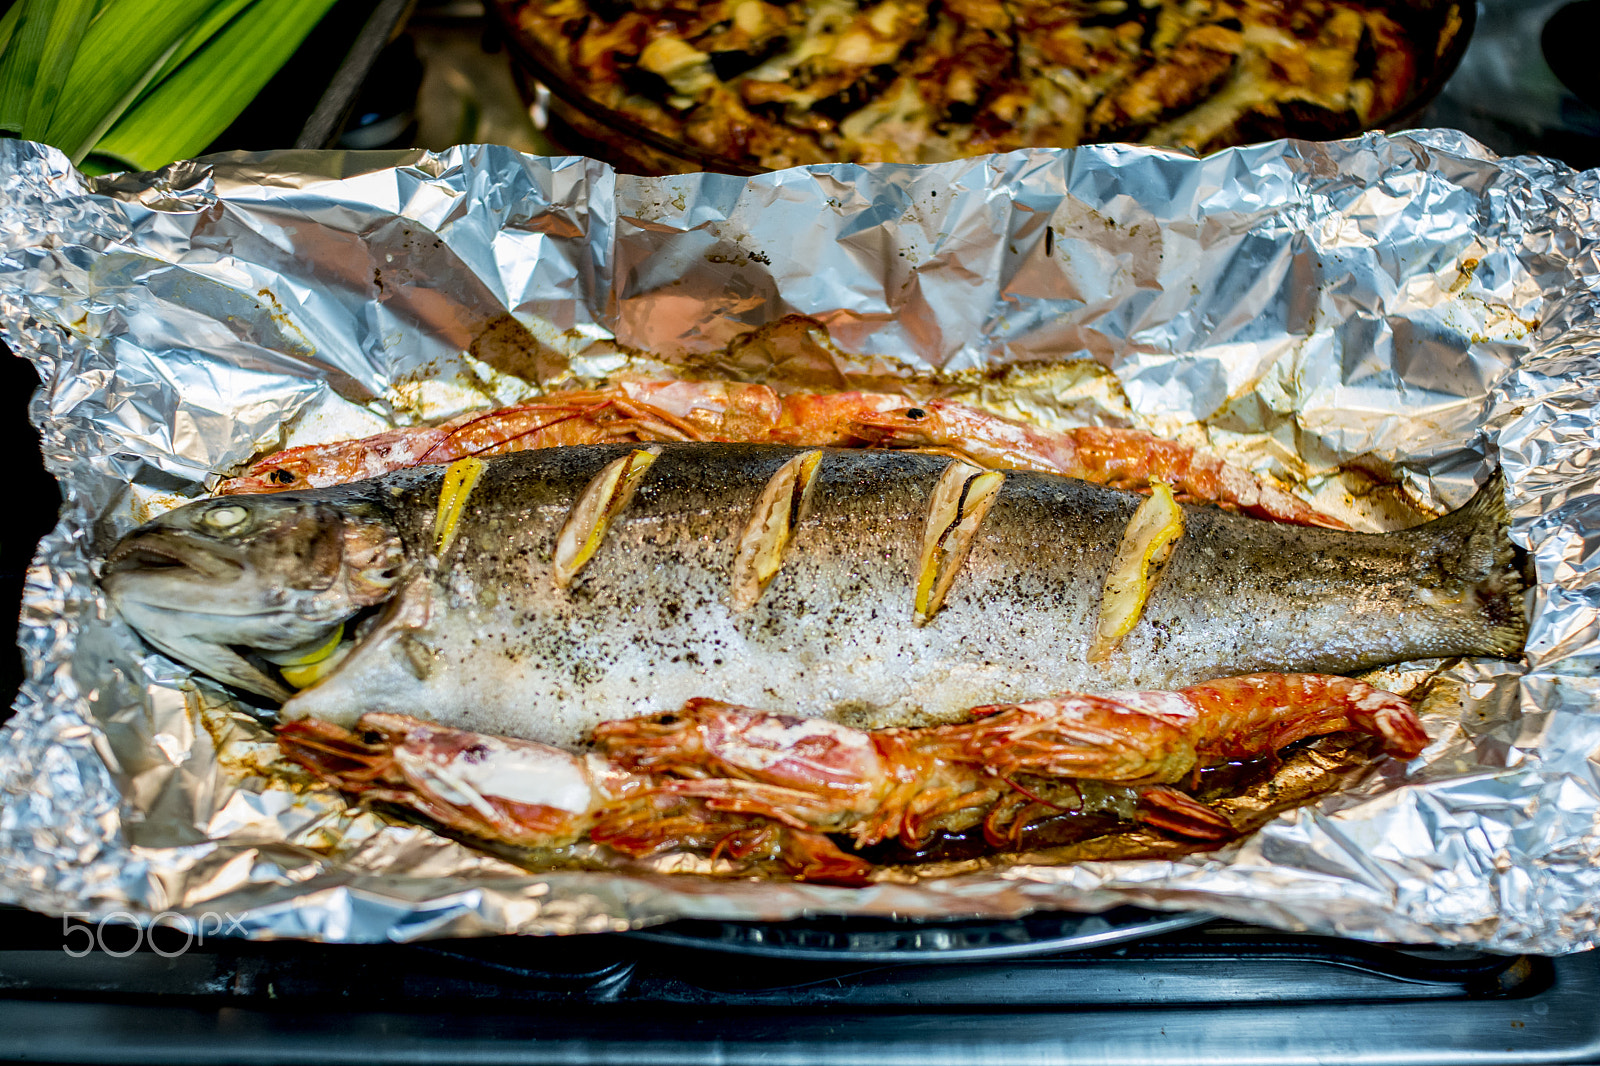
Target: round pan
(1439,29)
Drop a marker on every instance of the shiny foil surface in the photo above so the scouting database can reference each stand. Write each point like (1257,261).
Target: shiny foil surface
(1410,308)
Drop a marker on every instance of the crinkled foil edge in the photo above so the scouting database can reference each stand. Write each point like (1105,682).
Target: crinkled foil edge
(1412,302)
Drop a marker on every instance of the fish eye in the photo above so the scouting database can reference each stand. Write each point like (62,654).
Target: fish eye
(223,519)
(915,413)
(280,476)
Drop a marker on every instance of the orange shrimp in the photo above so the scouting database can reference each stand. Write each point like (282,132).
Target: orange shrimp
(1119,458)
(578,417)
(750,786)
(735,412)
(900,783)
(1166,736)
(890,784)
(531,795)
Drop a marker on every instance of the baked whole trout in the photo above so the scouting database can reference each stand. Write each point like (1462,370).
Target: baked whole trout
(539,593)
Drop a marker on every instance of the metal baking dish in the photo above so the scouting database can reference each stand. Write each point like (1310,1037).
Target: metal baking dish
(1441,30)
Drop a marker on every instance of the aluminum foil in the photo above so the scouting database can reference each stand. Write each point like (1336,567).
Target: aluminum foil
(1409,307)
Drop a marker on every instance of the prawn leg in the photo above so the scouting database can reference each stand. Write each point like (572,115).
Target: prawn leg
(1161,737)
(1165,808)
(669,821)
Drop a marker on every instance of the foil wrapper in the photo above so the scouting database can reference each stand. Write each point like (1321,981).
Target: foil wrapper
(1409,306)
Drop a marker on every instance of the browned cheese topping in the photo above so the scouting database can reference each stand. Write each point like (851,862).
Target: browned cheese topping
(774,85)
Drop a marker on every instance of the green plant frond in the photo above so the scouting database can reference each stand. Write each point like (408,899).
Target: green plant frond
(68,22)
(122,52)
(185,111)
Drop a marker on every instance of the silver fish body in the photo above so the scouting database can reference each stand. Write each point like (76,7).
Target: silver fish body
(481,637)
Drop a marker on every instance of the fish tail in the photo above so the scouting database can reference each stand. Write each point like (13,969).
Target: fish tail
(1480,559)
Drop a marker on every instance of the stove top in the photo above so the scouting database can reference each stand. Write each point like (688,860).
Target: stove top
(1216,993)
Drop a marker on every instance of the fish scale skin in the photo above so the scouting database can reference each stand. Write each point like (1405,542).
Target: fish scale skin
(648,624)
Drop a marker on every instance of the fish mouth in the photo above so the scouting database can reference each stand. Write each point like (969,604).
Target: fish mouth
(171,553)
(141,558)
(222,662)
(245,667)
(266,677)
(194,600)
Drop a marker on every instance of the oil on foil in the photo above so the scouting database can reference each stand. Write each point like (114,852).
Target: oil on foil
(1407,310)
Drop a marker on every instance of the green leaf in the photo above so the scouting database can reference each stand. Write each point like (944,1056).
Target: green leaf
(126,45)
(67,25)
(8,24)
(208,26)
(20,64)
(187,110)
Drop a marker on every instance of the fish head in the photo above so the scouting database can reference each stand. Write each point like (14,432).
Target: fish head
(232,586)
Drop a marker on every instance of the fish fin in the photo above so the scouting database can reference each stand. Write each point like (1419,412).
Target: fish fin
(1481,556)
(222,663)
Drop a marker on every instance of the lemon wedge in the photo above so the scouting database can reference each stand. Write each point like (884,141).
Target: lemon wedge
(602,500)
(1147,543)
(302,668)
(459,477)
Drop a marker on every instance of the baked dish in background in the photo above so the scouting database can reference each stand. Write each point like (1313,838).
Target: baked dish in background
(755,85)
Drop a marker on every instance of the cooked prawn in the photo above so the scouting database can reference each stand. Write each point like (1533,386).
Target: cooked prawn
(1119,458)
(736,412)
(748,785)
(532,795)
(899,783)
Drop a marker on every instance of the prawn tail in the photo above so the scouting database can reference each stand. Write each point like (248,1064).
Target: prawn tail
(1165,808)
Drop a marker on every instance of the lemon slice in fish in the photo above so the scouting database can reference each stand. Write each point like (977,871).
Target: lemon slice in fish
(1147,543)
(961,501)
(459,478)
(303,668)
(601,501)
(309,674)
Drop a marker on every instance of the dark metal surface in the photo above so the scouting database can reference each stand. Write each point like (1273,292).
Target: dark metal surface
(1220,993)
(924,943)
(322,129)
